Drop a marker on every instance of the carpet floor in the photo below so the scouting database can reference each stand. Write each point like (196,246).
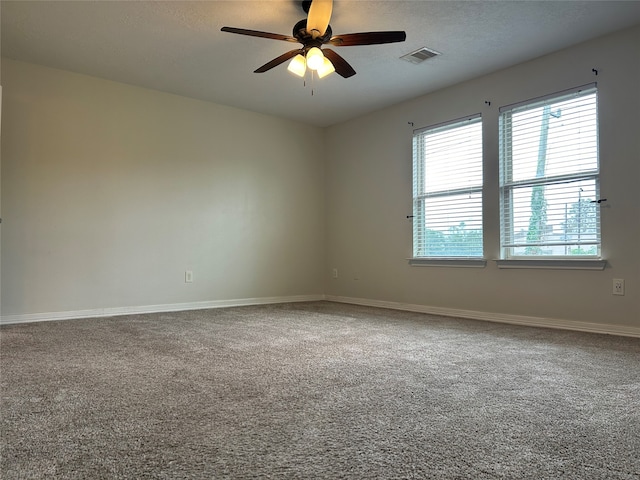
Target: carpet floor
(315,391)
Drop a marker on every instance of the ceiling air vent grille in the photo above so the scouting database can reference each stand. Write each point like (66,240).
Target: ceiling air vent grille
(420,55)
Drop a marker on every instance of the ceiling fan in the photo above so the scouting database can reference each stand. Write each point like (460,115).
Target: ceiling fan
(313,32)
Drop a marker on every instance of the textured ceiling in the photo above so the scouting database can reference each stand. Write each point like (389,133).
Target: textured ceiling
(177,47)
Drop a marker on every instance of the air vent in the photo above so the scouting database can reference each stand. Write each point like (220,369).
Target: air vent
(420,55)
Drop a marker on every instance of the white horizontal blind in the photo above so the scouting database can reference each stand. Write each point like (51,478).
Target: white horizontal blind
(447,190)
(549,176)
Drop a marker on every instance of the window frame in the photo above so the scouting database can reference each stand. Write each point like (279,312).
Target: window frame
(419,237)
(507,186)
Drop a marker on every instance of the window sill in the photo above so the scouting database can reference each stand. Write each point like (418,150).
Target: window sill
(558,264)
(448,262)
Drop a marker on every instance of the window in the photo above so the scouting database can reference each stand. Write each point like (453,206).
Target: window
(549,188)
(447,190)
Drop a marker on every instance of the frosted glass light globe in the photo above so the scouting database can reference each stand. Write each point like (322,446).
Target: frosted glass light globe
(315,58)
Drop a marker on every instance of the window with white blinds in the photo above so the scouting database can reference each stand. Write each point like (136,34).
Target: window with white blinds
(447,190)
(549,189)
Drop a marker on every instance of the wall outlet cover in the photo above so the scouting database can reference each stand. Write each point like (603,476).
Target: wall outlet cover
(618,286)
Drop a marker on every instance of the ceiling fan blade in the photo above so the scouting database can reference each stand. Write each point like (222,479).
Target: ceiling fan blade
(340,64)
(256,33)
(277,61)
(319,16)
(367,38)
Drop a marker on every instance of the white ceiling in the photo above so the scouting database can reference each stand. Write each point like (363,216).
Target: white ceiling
(177,46)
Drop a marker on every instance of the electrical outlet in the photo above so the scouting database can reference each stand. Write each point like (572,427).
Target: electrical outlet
(618,286)
(335,273)
(188,276)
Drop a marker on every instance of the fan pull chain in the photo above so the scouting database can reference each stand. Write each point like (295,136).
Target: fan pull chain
(312,83)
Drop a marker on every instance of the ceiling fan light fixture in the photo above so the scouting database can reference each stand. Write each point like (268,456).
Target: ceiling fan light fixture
(313,33)
(326,68)
(315,58)
(298,65)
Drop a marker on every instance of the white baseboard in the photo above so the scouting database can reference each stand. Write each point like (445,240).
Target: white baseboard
(620,330)
(170,307)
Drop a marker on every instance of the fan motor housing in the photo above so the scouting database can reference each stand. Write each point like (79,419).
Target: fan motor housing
(305,38)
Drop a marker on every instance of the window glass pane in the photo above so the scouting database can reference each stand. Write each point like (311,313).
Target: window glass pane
(555,219)
(555,139)
(453,226)
(452,158)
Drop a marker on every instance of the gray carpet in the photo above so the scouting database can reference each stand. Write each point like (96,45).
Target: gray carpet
(313,391)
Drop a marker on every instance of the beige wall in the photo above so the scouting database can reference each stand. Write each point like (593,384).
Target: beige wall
(110,192)
(369,192)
